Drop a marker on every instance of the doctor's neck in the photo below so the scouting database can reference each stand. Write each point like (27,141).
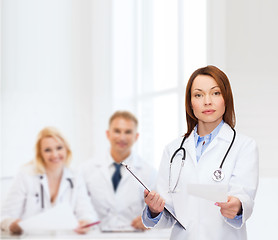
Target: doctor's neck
(54,173)
(205,128)
(118,157)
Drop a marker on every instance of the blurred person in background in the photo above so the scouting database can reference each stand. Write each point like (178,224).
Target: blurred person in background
(46,182)
(116,195)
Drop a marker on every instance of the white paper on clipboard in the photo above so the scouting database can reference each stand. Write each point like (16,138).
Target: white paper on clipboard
(212,192)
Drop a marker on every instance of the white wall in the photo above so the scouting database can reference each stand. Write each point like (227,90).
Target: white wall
(35,74)
(91,58)
(243,41)
(55,71)
(73,54)
(253,60)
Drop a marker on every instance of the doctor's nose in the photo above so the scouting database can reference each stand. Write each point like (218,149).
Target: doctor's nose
(122,136)
(207,100)
(55,154)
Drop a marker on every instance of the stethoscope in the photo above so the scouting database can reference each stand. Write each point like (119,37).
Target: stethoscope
(42,190)
(218,175)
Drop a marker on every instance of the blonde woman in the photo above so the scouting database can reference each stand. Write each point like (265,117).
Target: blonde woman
(45,182)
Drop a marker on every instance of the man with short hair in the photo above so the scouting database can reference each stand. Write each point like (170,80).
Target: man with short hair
(115,193)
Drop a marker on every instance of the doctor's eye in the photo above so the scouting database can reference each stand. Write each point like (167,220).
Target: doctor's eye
(60,147)
(217,93)
(128,131)
(198,95)
(117,130)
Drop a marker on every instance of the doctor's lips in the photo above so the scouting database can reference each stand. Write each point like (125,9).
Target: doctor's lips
(209,111)
(56,160)
(122,144)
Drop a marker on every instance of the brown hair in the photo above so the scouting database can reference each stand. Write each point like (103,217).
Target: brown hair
(54,133)
(226,91)
(123,114)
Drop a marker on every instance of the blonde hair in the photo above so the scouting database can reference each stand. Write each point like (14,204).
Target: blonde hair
(44,133)
(125,115)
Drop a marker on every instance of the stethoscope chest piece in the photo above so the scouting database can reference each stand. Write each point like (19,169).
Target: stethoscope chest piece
(218,175)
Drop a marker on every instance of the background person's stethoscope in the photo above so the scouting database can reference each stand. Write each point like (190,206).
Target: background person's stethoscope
(42,190)
(217,175)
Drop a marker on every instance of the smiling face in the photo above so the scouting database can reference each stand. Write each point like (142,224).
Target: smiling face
(53,152)
(207,102)
(122,134)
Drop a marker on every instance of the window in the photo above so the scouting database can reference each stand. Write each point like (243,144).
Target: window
(156,46)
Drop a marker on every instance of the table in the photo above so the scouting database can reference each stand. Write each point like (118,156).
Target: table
(95,234)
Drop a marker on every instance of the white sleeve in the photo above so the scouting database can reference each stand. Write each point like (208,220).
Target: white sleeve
(244,180)
(14,204)
(166,220)
(83,208)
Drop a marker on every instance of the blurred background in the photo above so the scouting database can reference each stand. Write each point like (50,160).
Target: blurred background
(72,63)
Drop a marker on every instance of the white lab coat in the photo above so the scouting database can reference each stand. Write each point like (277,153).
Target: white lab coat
(202,218)
(116,210)
(25,199)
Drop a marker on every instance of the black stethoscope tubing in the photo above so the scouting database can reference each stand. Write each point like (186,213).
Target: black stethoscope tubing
(228,149)
(42,190)
(181,148)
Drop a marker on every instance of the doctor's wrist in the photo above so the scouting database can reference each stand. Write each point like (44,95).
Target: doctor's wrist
(152,214)
(239,213)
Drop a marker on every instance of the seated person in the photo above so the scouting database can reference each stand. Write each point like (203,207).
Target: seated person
(45,182)
(116,195)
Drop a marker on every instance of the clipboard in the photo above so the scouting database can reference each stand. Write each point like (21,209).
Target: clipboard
(165,208)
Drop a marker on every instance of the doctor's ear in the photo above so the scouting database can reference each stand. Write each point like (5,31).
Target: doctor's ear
(137,135)
(107,134)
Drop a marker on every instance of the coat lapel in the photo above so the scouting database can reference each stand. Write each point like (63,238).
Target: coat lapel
(225,134)
(65,184)
(190,149)
(133,167)
(44,187)
(105,172)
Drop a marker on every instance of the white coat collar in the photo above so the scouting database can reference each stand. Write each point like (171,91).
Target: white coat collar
(104,165)
(65,183)
(131,160)
(66,174)
(225,134)
(189,145)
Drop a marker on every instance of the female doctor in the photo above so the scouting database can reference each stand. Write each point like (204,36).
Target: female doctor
(45,182)
(211,152)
